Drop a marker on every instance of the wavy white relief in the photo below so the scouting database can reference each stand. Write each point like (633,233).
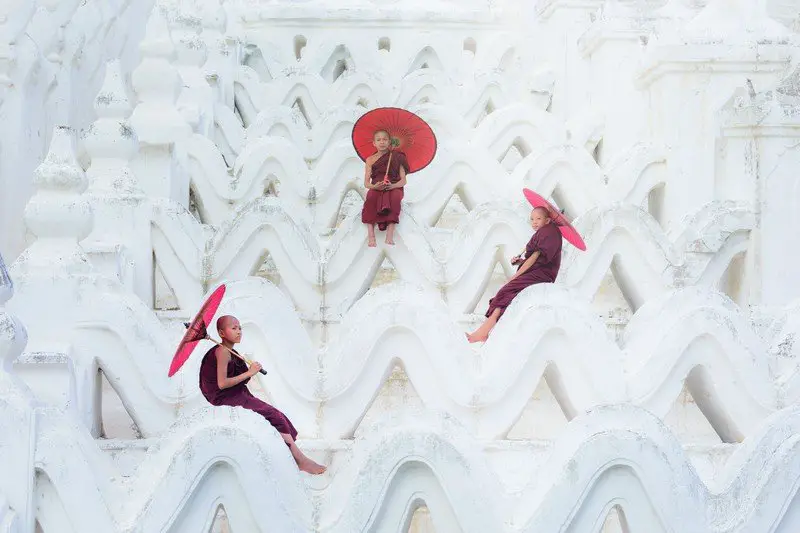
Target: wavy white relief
(150,151)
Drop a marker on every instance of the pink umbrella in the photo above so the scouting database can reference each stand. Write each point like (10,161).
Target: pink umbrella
(197,330)
(567,231)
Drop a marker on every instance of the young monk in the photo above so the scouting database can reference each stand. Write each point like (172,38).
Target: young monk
(384,188)
(539,263)
(223,381)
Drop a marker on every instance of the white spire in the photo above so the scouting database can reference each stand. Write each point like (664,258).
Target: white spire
(111,142)
(58,214)
(157,86)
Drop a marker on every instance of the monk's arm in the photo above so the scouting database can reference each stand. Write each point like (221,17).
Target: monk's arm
(367,173)
(402,181)
(368,176)
(526,265)
(223,381)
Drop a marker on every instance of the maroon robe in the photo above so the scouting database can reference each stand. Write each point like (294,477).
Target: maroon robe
(238,395)
(383,207)
(547,241)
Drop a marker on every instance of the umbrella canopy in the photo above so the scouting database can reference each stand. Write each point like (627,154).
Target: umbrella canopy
(409,134)
(567,231)
(196,330)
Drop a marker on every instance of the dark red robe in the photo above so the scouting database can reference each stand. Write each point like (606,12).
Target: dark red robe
(238,395)
(383,207)
(547,241)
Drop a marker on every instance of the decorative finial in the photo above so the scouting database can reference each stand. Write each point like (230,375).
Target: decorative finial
(157,86)
(58,214)
(110,141)
(157,41)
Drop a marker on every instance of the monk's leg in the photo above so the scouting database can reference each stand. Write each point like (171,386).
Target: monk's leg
(390,234)
(281,422)
(393,217)
(482,333)
(497,307)
(303,462)
(369,215)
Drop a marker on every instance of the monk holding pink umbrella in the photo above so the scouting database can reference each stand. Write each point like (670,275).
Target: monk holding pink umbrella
(224,373)
(539,263)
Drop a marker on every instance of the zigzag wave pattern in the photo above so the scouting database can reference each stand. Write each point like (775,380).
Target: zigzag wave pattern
(700,338)
(277,150)
(680,415)
(433,461)
(336,272)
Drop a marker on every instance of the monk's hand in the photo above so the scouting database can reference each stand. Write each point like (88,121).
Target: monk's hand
(255,368)
(516,260)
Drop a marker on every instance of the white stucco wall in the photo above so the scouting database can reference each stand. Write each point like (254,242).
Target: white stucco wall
(151,152)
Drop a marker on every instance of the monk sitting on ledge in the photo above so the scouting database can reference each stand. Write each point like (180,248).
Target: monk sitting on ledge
(384,179)
(539,263)
(223,381)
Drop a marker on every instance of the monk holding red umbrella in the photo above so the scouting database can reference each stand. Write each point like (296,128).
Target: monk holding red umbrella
(538,263)
(224,374)
(393,143)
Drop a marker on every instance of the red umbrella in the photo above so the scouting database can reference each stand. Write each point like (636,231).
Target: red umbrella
(567,231)
(197,330)
(409,134)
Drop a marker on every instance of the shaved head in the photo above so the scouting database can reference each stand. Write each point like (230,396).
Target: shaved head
(224,321)
(229,329)
(542,210)
(540,216)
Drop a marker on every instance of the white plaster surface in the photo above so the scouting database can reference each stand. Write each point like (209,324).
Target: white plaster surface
(150,150)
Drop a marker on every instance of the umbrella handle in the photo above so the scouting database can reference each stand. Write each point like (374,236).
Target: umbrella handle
(388,164)
(262,371)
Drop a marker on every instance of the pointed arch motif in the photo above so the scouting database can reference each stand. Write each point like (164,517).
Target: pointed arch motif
(339,63)
(427,58)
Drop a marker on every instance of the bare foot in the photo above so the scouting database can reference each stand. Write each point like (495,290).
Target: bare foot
(371,242)
(478,336)
(307,465)
(389,241)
